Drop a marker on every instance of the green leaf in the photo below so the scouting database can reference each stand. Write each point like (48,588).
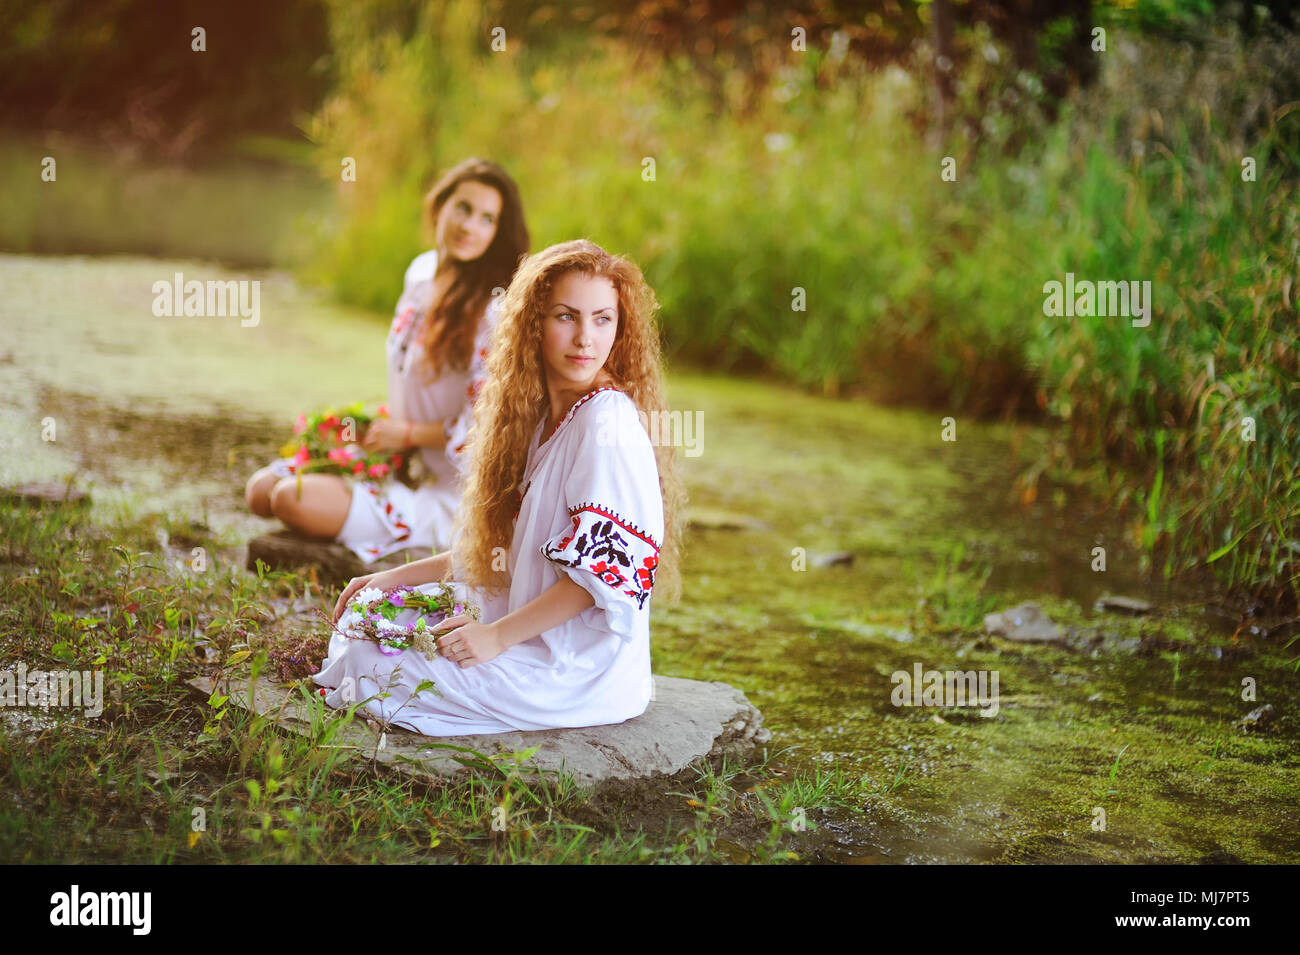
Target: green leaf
(1225,548)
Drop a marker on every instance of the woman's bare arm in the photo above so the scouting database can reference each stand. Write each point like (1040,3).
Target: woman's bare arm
(561,601)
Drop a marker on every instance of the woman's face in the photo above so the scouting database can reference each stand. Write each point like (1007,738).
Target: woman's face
(468,221)
(578,329)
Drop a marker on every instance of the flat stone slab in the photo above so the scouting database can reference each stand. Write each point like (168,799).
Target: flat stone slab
(285,550)
(686,720)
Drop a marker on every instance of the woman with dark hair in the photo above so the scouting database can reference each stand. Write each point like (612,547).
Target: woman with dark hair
(436,347)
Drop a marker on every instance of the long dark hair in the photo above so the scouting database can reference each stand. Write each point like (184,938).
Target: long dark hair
(448,336)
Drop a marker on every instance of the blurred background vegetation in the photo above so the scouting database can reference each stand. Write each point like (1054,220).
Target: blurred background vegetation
(775,168)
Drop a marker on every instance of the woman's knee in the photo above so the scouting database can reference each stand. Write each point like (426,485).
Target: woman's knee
(315,506)
(257,492)
(285,500)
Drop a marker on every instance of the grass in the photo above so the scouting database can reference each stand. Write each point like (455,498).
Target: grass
(165,777)
(812,649)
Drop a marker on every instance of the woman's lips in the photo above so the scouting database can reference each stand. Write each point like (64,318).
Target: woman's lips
(580,359)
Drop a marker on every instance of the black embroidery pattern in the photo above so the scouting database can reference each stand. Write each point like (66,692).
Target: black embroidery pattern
(615,550)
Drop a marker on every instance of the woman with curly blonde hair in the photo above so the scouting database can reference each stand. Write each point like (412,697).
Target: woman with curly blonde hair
(571,517)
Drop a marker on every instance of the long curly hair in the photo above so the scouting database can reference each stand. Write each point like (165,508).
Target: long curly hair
(514,399)
(452,322)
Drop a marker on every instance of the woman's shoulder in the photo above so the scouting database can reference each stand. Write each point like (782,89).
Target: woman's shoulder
(603,401)
(609,410)
(422,268)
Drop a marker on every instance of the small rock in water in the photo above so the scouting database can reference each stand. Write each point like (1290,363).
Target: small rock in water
(1025,624)
(702,519)
(1258,717)
(47,492)
(1129,605)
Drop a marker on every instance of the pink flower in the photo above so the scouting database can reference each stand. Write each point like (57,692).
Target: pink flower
(300,458)
(401,320)
(358,467)
(340,455)
(301,424)
(378,470)
(382,411)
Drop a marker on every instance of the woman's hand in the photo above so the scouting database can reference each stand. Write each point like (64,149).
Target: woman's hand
(383,580)
(387,434)
(469,643)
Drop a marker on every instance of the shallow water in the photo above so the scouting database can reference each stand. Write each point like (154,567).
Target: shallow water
(172,414)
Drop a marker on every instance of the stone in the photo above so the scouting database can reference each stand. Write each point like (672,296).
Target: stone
(1128,605)
(1023,624)
(46,492)
(286,550)
(686,720)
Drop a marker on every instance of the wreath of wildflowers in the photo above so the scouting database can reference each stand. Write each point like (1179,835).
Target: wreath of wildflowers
(374,615)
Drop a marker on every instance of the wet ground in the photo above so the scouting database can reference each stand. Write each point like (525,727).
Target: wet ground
(876,546)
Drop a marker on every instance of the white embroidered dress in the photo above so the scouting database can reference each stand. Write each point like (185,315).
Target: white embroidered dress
(591,508)
(386,516)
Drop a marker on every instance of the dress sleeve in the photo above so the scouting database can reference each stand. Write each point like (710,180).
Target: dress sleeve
(414,298)
(458,427)
(611,545)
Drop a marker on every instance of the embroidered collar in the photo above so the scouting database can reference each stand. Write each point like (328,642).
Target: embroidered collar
(576,405)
